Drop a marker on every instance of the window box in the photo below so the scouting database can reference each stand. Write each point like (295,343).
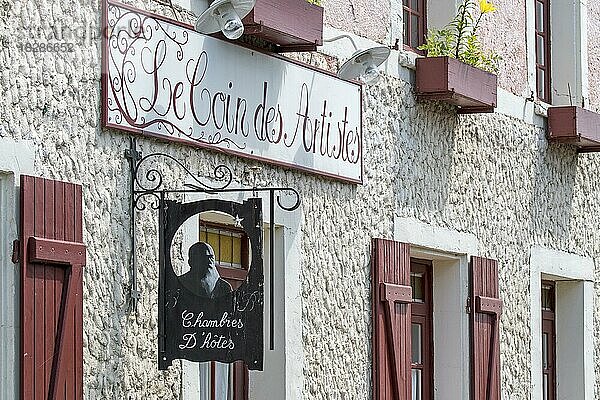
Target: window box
(471,89)
(292,25)
(574,125)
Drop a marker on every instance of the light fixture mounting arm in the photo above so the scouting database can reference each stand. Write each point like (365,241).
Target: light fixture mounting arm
(344,36)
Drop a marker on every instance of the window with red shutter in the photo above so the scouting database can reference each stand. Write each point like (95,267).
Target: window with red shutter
(392,297)
(421,281)
(486,308)
(52,258)
(548,341)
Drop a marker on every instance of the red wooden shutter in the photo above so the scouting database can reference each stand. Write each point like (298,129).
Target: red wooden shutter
(52,256)
(392,296)
(485,320)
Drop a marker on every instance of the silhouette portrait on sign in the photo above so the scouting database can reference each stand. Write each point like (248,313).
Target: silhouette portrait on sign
(203,279)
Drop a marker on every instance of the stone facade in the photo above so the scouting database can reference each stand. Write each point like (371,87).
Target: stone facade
(360,17)
(508,43)
(494,176)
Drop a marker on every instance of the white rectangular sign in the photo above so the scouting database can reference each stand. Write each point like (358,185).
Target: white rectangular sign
(162,78)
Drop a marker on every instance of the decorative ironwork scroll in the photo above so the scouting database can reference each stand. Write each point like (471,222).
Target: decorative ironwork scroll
(236,313)
(162,79)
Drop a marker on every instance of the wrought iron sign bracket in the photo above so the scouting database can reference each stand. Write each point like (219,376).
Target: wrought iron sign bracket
(148,187)
(133,156)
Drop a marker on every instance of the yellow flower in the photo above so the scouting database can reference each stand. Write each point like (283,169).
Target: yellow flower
(486,7)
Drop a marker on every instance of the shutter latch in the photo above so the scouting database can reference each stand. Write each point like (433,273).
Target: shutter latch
(16,251)
(468,307)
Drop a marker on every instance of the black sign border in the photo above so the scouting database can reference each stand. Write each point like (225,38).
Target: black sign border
(181,212)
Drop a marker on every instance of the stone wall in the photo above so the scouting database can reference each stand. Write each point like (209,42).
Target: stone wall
(361,17)
(509,43)
(490,175)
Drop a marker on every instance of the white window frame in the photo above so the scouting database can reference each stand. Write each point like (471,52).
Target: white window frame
(283,374)
(16,158)
(438,14)
(574,319)
(568,51)
(450,252)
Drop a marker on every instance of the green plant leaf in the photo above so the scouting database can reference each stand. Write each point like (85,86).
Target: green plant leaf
(459,39)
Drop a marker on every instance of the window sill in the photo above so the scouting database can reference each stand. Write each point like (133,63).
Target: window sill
(408,58)
(541,108)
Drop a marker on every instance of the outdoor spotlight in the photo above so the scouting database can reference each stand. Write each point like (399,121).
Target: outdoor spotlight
(363,65)
(225,16)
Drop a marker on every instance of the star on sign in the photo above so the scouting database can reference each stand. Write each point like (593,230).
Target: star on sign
(238,221)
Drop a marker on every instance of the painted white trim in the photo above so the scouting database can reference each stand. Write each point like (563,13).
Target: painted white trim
(9,290)
(574,276)
(451,370)
(518,107)
(396,23)
(15,158)
(530,46)
(565,52)
(561,264)
(449,250)
(294,350)
(584,68)
(411,230)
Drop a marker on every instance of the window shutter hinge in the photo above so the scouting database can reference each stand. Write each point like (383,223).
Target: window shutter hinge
(468,307)
(16,251)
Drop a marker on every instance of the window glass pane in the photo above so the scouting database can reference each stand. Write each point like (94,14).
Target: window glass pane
(414,4)
(417,384)
(237,250)
(227,245)
(212,238)
(226,249)
(406,23)
(406,3)
(541,88)
(545,350)
(539,16)
(546,387)
(540,50)
(547,298)
(417,283)
(417,344)
(414,31)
